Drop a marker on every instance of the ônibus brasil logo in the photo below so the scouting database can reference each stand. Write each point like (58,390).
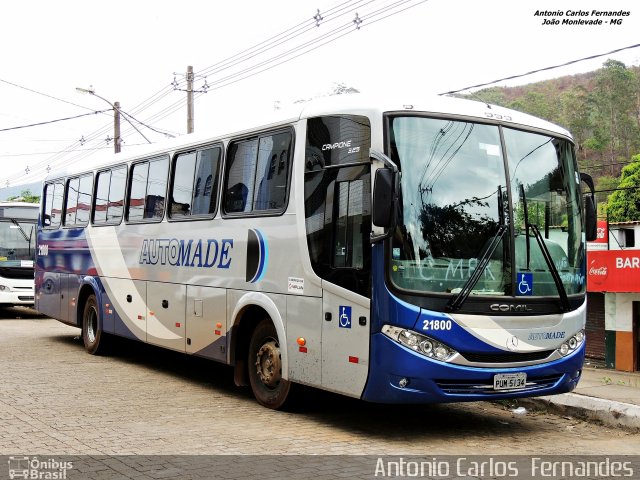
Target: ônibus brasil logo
(33,467)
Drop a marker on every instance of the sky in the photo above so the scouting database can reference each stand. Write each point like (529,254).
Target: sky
(131,52)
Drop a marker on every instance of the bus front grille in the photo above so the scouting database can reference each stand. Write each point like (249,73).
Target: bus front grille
(25,273)
(462,387)
(506,357)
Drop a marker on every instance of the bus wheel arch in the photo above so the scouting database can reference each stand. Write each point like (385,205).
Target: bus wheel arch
(89,318)
(85,292)
(252,311)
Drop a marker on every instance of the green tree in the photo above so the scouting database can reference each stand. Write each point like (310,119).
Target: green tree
(494,96)
(25,196)
(539,103)
(605,185)
(614,96)
(576,116)
(624,204)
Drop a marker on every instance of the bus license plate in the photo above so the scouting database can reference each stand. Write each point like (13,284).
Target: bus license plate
(509,381)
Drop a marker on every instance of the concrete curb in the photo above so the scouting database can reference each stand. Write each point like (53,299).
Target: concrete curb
(608,412)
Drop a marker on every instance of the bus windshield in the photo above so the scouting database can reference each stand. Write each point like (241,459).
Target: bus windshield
(486,208)
(17,241)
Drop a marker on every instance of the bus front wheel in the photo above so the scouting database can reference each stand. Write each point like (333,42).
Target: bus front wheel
(265,367)
(92,335)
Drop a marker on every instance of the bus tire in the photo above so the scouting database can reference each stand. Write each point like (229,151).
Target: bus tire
(92,335)
(265,367)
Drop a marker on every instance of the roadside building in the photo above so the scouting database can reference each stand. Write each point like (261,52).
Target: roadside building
(613,295)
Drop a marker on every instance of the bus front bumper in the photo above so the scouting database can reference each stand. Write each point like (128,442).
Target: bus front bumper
(399,375)
(22,297)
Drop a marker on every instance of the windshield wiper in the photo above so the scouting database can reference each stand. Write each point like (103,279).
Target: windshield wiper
(564,299)
(456,302)
(24,234)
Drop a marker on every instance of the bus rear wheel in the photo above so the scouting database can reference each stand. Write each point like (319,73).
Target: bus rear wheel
(92,336)
(265,367)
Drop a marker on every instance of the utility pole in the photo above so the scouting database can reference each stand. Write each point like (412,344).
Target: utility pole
(189,99)
(116,127)
(116,118)
(189,77)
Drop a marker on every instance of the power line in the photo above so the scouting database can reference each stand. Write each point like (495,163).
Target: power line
(43,94)
(51,153)
(591,57)
(313,44)
(337,12)
(617,189)
(179,104)
(276,40)
(53,121)
(591,167)
(256,68)
(144,124)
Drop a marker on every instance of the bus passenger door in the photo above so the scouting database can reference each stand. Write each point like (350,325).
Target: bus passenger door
(346,286)
(345,341)
(166,315)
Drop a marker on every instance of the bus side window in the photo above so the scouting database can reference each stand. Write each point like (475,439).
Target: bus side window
(195,183)
(117,186)
(148,190)
(338,222)
(109,196)
(241,172)
(84,200)
(78,201)
(53,194)
(272,172)
(183,184)
(156,189)
(102,197)
(351,205)
(258,174)
(207,167)
(71,204)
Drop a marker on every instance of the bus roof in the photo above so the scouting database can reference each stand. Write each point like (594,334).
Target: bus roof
(351,104)
(9,203)
(19,210)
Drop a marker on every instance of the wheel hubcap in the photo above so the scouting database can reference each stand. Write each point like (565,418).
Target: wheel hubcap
(268,364)
(92,325)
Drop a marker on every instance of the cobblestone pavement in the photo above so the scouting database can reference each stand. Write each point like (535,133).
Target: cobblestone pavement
(55,399)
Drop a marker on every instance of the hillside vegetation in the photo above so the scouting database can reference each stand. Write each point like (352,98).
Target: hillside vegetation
(602,111)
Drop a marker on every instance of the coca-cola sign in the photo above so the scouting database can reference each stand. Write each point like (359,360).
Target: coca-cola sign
(598,271)
(601,232)
(613,271)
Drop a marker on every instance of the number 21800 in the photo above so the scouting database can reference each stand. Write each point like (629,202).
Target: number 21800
(436,325)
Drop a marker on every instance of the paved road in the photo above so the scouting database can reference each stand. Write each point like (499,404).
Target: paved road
(57,400)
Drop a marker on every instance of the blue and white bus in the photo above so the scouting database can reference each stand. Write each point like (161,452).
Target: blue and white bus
(17,252)
(390,251)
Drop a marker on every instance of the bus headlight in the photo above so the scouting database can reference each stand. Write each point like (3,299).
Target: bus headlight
(572,344)
(420,343)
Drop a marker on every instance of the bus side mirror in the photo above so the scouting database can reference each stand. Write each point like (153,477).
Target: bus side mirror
(590,215)
(590,219)
(383,198)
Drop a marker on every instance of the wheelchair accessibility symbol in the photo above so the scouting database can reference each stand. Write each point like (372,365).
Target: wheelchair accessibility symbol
(525,283)
(345,317)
